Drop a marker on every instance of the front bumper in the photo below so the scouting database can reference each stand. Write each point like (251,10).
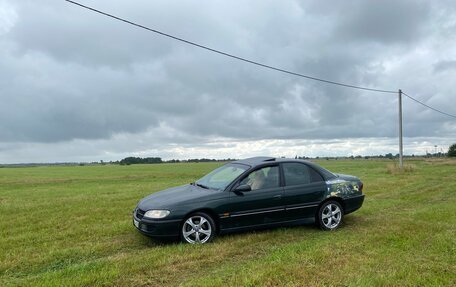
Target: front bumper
(157,228)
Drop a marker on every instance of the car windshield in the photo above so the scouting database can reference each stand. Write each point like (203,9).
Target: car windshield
(221,177)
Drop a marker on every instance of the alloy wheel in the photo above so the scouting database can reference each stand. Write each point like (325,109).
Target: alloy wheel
(197,229)
(331,216)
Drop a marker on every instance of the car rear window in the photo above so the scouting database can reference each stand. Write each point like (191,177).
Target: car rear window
(298,173)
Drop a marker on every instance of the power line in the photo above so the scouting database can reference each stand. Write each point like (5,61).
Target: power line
(228,54)
(251,61)
(427,106)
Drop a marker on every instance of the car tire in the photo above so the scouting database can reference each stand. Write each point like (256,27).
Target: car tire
(330,215)
(198,228)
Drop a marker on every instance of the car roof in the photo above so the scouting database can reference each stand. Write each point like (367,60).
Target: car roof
(253,161)
(259,160)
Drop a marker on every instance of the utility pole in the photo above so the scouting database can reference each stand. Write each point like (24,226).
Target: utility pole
(400,130)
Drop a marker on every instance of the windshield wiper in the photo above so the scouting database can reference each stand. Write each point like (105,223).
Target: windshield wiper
(202,186)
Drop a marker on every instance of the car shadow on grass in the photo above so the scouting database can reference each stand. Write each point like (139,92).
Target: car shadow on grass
(239,234)
(349,222)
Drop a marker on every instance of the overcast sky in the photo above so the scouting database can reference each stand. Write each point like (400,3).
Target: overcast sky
(78,86)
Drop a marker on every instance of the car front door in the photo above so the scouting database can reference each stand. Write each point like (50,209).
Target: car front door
(261,205)
(304,189)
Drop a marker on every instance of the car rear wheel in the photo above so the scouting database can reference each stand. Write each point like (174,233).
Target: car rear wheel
(198,228)
(330,215)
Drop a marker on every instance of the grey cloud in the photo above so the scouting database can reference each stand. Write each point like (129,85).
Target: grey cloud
(385,22)
(68,34)
(67,74)
(445,65)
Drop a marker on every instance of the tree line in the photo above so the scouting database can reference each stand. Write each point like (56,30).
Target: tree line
(138,160)
(155,160)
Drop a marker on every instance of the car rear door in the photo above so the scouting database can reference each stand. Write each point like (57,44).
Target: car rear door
(304,189)
(262,205)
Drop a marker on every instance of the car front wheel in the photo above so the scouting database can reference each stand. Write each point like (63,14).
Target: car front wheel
(198,228)
(330,215)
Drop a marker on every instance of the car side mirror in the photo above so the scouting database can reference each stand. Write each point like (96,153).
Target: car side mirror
(243,188)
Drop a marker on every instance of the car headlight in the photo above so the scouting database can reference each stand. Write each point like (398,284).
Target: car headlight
(156,213)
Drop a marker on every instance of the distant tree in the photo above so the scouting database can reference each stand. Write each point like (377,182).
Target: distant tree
(452,150)
(138,160)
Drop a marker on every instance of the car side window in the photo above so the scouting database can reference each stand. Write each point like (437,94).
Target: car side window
(298,173)
(266,177)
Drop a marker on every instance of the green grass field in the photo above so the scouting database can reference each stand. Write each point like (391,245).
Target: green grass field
(71,226)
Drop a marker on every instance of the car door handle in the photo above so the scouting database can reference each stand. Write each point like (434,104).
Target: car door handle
(279,196)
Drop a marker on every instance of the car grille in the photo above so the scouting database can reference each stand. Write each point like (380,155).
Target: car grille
(140,213)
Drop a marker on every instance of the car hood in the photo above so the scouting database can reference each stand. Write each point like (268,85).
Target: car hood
(168,198)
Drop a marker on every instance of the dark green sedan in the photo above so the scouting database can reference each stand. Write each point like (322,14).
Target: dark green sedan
(251,193)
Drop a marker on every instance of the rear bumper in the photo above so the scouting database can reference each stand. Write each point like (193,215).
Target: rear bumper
(157,228)
(353,203)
